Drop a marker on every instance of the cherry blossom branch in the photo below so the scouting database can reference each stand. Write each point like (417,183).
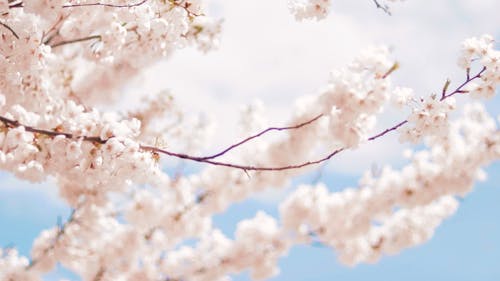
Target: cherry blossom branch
(47,37)
(444,96)
(184,5)
(20,5)
(395,127)
(10,29)
(105,5)
(384,7)
(51,133)
(258,135)
(459,89)
(241,167)
(209,159)
(58,44)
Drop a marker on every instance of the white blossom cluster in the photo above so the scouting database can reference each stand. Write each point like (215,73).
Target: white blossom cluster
(429,116)
(258,244)
(361,224)
(131,218)
(309,9)
(482,50)
(355,95)
(319,9)
(64,35)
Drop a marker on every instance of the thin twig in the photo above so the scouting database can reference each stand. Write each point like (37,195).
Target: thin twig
(443,97)
(58,44)
(384,7)
(459,89)
(47,37)
(105,5)
(258,135)
(395,127)
(10,29)
(20,5)
(238,166)
(185,5)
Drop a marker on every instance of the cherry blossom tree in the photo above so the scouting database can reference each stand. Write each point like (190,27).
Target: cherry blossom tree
(61,60)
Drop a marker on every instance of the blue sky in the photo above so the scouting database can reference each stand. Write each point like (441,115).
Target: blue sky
(277,60)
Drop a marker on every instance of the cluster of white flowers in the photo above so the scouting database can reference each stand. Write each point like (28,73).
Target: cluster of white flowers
(309,9)
(482,50)
(205,32)
(52,34)
(258,244)
(12,266)
(361,224)
(58,59)
(429,117)
(355,95)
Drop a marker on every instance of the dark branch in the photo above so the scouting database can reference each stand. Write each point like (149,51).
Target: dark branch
(444,96)
(383,7)
(395,127)
(238,166)
(14,4)
(258,135)
(209,159)
(10,29)
(58,44)
(51,133)
(185,5)
(459,89)
(105,5)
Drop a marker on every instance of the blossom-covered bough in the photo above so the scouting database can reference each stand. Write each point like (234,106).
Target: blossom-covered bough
(61,59)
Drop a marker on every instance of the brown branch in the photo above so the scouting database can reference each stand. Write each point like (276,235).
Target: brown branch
(209,159)
(393,68)
(58,44)
(443,97)
(383,7)
(20,5)
(238,166)
(105,5)
(51,133)
(47,36)
(94,139)
(100,274)
(459,89)
(10,29)
(258,135)
(395,127)
(184,5)
(14,4)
